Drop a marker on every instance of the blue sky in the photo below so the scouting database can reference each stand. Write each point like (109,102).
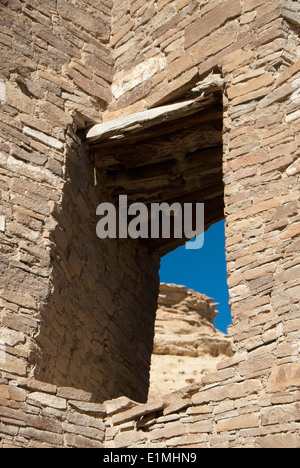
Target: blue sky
(203,270)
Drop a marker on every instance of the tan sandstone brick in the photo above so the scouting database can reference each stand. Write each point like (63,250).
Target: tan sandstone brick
(284,377)
(238,422)
(211,21)
(241,89)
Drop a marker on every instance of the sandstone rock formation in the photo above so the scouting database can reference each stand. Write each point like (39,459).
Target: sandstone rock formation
(186,345)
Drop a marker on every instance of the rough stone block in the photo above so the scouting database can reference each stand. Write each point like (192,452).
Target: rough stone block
(8,429)
(278,441)
(46,139)
(200,427)
(284,377)
(19,100)
(14,366)
(256,365)
(137,411)
(4,392)
(211,21)
(79,441)
(277,95)
(88,421)
(241,89)
(43,423)
(2,91)
(125,439)
(2,223)
(42,436)
(73,394)
(79,17)
(89,86)
(231,391)
(98,66)
(87,407)
(48,400)
(240,422)
(288,73)
(280,414)
(119,404)
(291,231)
(89,432)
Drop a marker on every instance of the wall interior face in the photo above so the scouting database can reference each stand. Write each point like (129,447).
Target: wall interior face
(77,314)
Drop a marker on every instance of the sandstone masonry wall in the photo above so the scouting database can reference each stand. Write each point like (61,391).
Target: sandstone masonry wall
(40,415)
(56,76)
(162,48)
(64,295)
(253,400)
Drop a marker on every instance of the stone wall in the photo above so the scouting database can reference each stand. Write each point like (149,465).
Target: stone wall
(253,399)
(225,411)
(161,49)
(60,288)
(64,295)
(40,415)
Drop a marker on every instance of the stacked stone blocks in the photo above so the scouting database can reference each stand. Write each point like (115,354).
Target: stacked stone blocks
(65,303)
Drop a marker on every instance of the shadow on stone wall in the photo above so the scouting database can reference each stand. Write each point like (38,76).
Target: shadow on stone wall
(97,328)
